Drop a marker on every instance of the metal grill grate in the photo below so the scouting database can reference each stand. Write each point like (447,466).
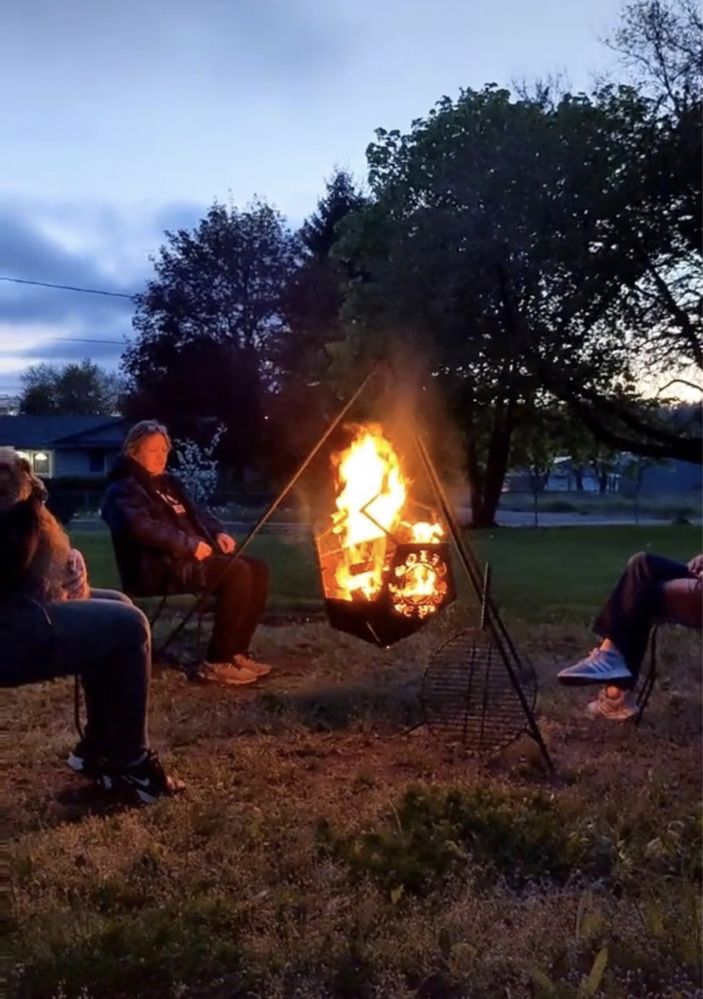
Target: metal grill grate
(467,693)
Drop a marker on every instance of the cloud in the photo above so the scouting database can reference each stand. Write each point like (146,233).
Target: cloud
(94,247)
(86,246)
(28,254)
(65,350)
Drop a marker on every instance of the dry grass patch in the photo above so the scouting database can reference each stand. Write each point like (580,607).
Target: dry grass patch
(290,867)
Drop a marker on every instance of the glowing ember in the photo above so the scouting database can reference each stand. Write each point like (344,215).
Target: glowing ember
(372,493)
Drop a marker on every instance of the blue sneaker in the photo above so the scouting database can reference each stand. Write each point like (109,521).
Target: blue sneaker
(598,667)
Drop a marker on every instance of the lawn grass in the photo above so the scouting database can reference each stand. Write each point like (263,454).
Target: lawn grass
(539,573)
(322,851)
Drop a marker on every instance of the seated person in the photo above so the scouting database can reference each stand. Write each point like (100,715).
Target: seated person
(165,543)
(650,589)
(44,635)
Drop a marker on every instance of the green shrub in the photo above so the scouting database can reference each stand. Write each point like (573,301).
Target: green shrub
(519,837)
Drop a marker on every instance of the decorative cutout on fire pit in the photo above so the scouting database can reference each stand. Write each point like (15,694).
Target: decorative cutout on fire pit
(467,693)
(385,567)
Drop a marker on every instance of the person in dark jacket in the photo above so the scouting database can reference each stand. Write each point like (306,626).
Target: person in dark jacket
(165,543)
(104,640)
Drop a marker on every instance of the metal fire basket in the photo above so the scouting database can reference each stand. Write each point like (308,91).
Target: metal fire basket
(394,612)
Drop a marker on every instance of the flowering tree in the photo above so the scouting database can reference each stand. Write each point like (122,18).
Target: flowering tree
(197,465)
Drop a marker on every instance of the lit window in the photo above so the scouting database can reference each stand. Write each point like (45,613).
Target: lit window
(41,463)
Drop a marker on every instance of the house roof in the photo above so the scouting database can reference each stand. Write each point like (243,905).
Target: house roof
(62,431)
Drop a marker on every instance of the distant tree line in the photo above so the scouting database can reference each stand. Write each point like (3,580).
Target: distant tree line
(81,389)
(529,256)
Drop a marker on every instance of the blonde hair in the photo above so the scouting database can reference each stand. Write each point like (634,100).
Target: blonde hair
(141,430)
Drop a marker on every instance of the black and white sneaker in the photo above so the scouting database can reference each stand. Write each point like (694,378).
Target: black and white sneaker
(84,759)
(146,780)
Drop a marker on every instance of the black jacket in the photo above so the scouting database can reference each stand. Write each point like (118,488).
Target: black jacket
(154,547)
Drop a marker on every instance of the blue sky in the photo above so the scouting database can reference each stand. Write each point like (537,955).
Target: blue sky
(120,120)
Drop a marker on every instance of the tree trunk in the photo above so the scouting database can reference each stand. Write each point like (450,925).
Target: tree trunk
(495,477)
(498,455)
(475,480)
(486,488)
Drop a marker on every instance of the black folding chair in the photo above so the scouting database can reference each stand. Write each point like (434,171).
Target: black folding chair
(207,608)
(154,615)
(649,673)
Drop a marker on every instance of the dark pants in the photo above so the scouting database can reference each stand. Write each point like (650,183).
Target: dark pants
(107,643)
(634,605)
(240,588)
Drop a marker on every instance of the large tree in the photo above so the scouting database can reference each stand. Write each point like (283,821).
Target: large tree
(316,292)
(501,243)
(660,43)
(304,397)
(210,325)
(82,389)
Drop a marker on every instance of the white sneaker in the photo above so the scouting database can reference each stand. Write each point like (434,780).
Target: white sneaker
(615,707)
(251,665)
(598,666)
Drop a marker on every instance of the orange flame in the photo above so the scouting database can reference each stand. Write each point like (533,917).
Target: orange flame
(371,496)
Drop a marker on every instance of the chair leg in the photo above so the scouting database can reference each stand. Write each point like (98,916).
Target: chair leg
(157,612)
(648,685)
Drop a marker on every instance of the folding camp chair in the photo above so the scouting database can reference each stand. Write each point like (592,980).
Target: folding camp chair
(649,674)
(207,608)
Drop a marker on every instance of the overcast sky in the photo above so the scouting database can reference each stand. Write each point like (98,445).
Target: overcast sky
(119,120)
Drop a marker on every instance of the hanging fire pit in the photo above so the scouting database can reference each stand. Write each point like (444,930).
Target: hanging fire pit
(384,563)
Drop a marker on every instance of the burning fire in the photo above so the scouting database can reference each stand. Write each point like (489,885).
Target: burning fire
(372,495)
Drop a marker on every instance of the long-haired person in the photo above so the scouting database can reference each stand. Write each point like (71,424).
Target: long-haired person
(105,640)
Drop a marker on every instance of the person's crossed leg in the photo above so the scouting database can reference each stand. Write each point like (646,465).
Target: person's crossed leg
(650,588)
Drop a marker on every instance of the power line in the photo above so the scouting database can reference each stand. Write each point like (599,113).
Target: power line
(85,291)
(80,339)
(69,287)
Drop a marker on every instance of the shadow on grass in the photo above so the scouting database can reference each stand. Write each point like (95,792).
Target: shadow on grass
(76,802)
(334,707)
